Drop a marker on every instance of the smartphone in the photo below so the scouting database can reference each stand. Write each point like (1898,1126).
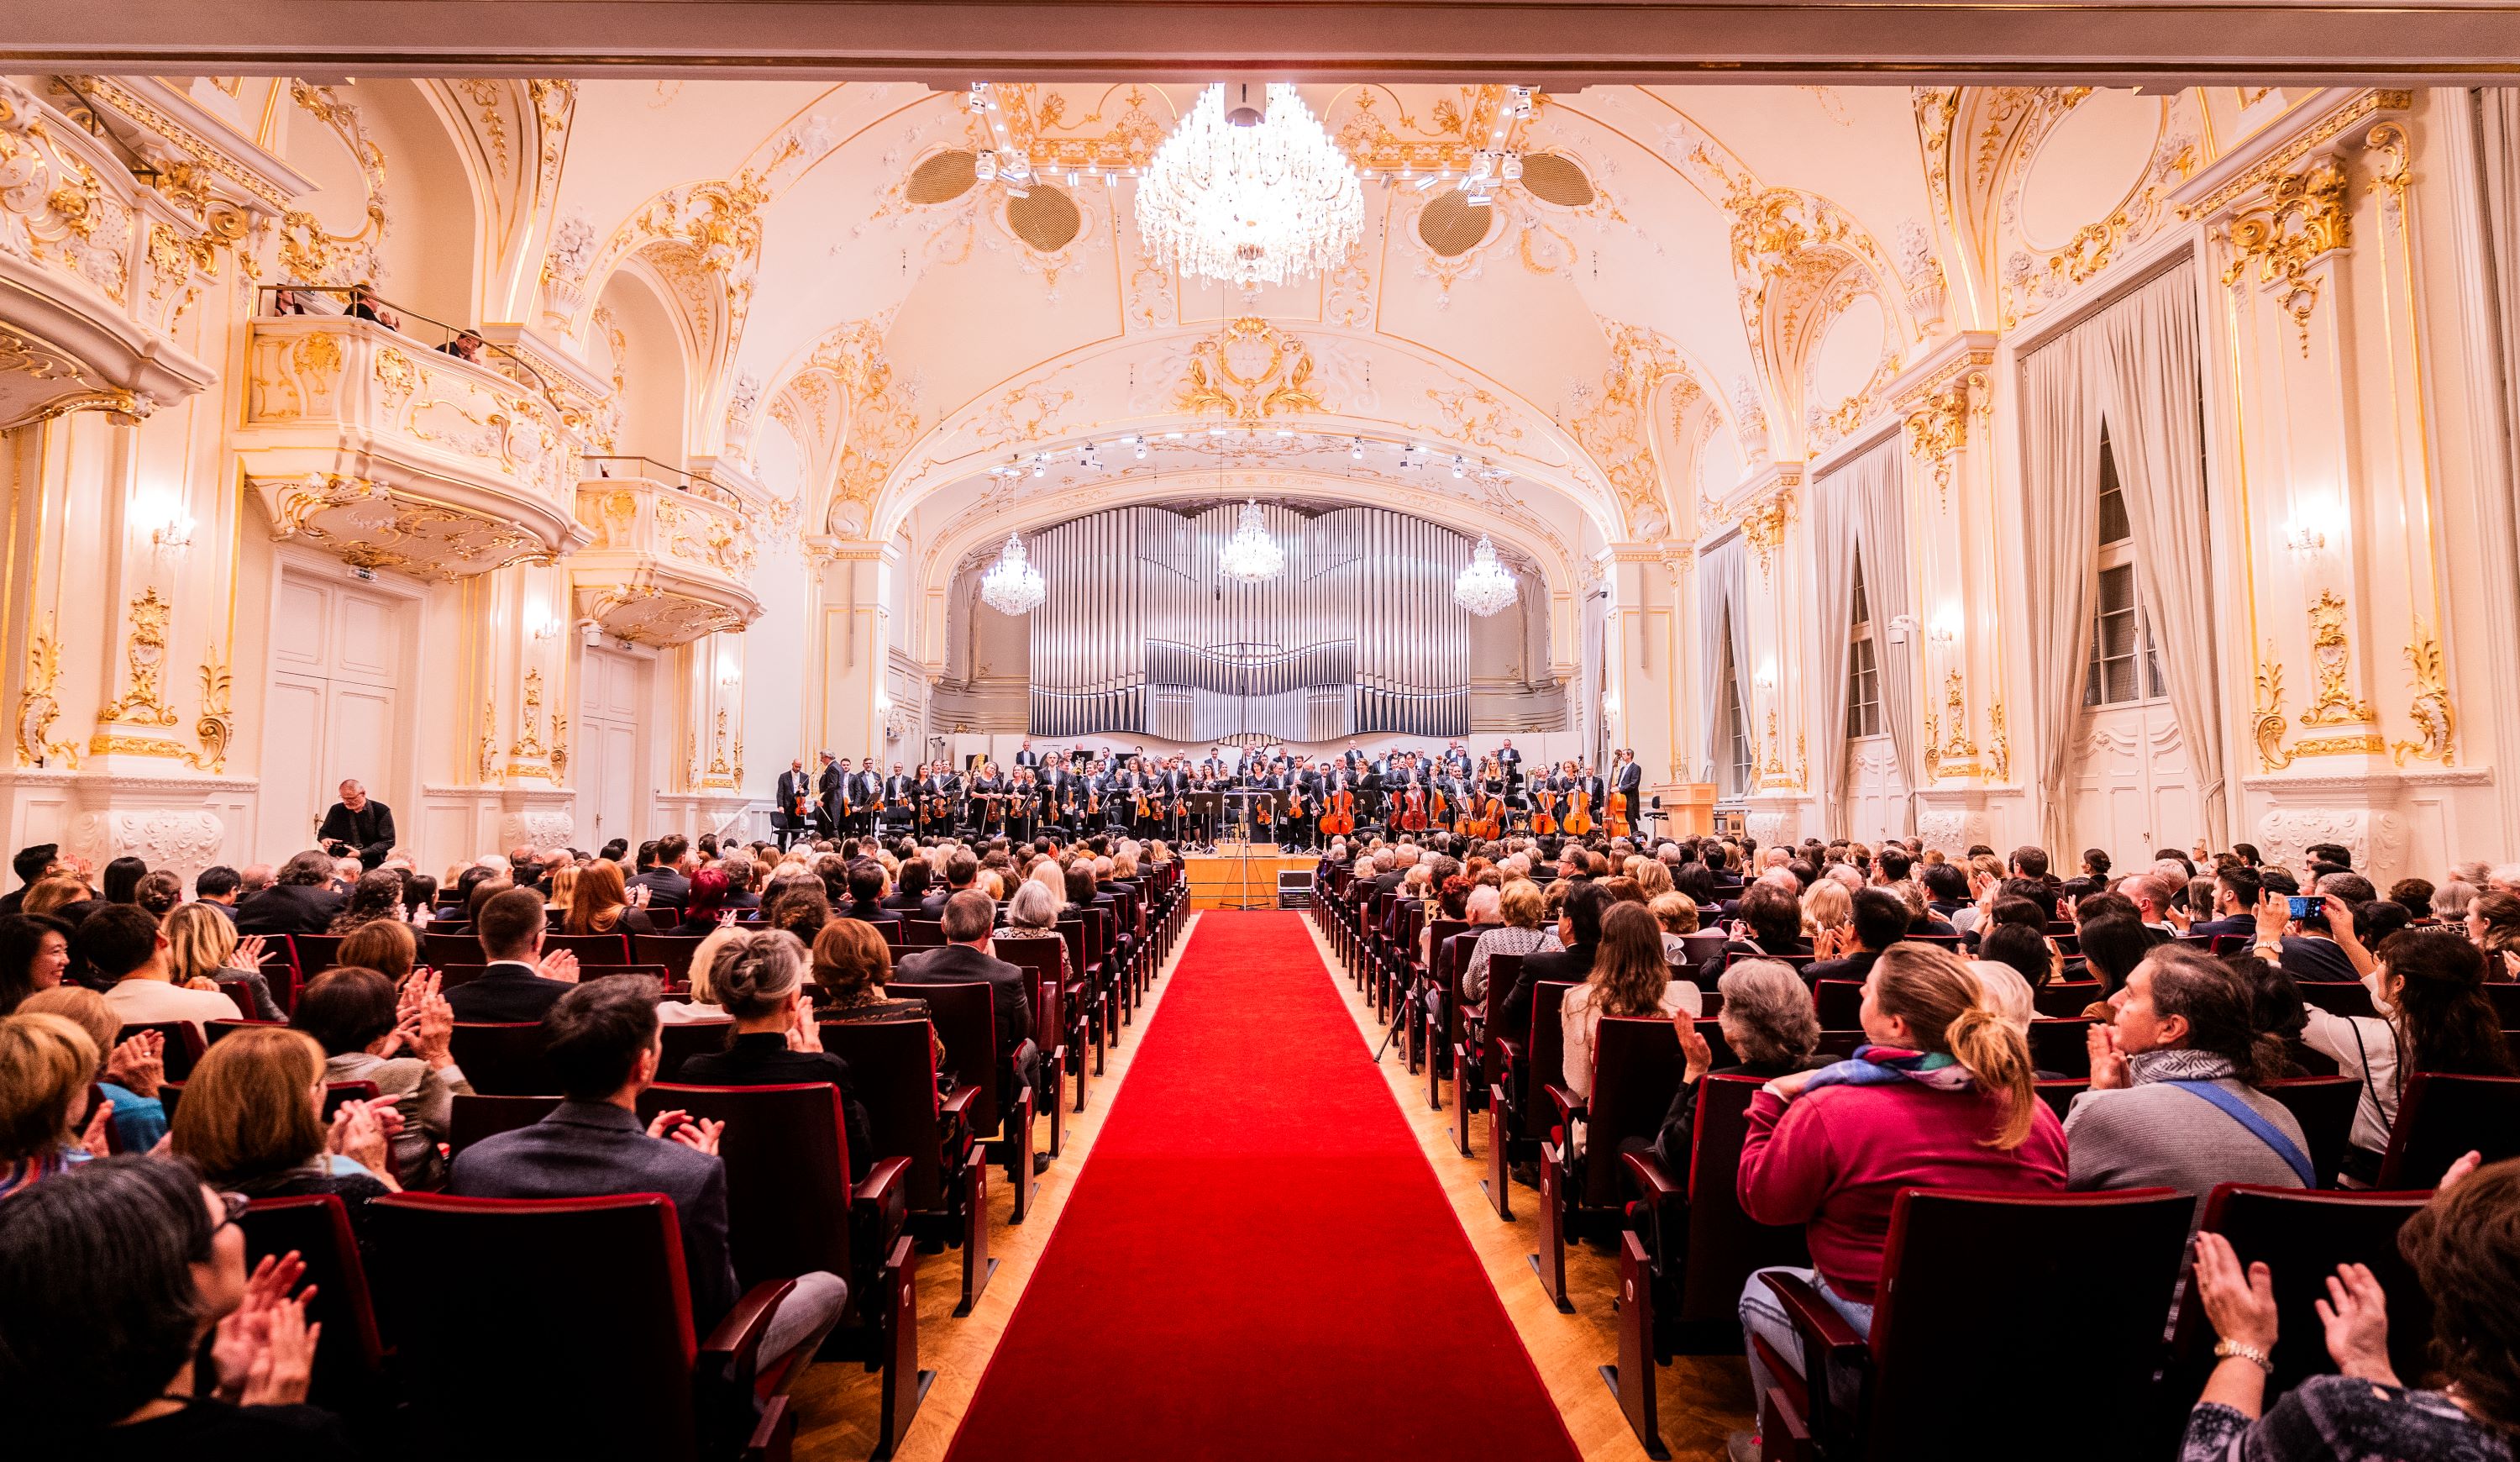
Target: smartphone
(2305,904)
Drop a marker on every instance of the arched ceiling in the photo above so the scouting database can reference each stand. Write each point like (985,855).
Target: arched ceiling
(1687,283)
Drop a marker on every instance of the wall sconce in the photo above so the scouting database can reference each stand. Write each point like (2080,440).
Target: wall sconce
(728,674)
(882,702)
(1900,627)
(1946,628)
(2300,538)
(173,530)
(540,624)
(1610,703)
(1766,679)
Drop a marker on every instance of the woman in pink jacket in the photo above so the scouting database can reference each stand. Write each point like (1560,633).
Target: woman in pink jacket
(1942,1097)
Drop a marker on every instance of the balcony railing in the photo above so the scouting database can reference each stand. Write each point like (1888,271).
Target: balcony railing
(668,563)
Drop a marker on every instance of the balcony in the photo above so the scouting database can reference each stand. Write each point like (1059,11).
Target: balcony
(369,444)
(671,558)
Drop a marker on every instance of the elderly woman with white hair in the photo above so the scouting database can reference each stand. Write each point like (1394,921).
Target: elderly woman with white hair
(1768,1023)
(1032,914)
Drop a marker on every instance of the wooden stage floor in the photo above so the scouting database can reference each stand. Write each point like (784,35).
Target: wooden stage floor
(1224,881)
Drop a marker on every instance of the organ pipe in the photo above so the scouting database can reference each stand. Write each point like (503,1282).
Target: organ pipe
(1144,632)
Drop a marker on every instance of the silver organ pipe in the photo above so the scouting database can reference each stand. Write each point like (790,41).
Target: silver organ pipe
(1143,631)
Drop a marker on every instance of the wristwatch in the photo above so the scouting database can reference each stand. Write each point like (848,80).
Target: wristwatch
(2228,1350)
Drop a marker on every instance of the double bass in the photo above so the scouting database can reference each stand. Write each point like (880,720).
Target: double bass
(1614,813)
(1338,820)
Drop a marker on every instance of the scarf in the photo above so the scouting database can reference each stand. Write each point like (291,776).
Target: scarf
(2174,1064)
(1880,1066)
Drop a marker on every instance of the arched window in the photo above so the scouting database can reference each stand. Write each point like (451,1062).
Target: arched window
(2124,667)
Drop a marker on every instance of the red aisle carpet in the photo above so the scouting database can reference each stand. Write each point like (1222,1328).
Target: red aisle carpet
(1257,1262)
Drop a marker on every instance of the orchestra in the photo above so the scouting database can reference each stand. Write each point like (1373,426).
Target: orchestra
(1267,795)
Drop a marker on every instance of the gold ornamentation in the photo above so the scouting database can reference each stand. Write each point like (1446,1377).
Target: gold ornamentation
(319,354)
(310,252)
(1999,748)
(1956,700)
(718,765)
(2331,660)
(1250,371)
(1763,526)
(1938,417)
(396,374)
(37,705)
(529,719)
(2267,717)
(560,747)
(2305,217)
(2430,711)
(2300,146)
(143,704)
(216,727)
(102,743)
(488,762)
(2365,744)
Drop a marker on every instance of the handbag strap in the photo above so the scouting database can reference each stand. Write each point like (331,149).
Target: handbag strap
(2250,1118)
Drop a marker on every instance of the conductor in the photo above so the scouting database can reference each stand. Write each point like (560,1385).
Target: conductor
(358,825)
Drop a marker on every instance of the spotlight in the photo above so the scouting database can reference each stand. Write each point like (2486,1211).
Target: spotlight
(1040,464)
(1356,450)
(1142,449)
(986,167)
(1460,466)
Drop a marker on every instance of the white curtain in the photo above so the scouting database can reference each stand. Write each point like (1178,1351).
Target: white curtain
(2144,352)
(1723,593)
(1834,519)
(2498,127)
(1878,495)
(2060,431)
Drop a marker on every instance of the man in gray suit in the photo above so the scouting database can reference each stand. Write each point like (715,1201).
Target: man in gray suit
(602,1044)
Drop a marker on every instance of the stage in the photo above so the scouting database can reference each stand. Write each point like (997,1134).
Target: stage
(1217,880)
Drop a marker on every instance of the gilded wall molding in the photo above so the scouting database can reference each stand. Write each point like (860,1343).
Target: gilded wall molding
(2436,719)
(38,702)
(2331,655)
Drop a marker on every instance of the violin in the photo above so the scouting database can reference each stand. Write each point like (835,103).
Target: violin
(1340,819)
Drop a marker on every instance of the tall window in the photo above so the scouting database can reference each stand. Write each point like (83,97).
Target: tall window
(1862,671)
(1742,762)
(2125,666)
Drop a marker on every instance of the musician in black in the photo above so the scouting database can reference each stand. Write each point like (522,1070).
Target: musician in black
(1457,759)
(1512,760)
(1026,757)
(1024,804)
(865,794)
(900,798)
(793,812)
(829,785)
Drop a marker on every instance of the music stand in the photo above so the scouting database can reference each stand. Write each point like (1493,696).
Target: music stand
(1249,797)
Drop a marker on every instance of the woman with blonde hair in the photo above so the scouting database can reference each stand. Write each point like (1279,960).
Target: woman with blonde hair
(252,1120)
(703,1002)
(563,888)
(51,896)
(1652,875)
(1940,1096)
(602,904)
(1827,908)
(1629,978)
(46,1063)
(203,950)
(129,1071)
(1521,903)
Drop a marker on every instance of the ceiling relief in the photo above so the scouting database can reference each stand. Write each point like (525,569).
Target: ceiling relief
(1798,261)
(1249,371)
(1611,420)
(513,136)
(1987,147)
(368,526)
(309,252)
(882,419)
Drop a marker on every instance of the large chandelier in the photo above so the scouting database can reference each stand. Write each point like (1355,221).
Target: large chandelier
(1011,586)
(1486,587)
(1251,555)
(1248,197)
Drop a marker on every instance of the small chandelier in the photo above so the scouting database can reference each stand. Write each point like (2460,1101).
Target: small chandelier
(1011,586)
(1249,196)
(1486,587)
(1251,555)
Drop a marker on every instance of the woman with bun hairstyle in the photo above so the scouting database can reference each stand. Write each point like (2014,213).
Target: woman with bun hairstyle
(761,979)
(1940,1097)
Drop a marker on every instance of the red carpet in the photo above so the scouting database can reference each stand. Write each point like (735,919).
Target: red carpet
(1257,1262)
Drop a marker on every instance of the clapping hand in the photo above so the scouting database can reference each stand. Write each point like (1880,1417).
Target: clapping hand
(138,1064)
(361,1132)
(2109,1069)
(2468,1163)
(2356,1316)
(1693,1047)
(804,1035)
(560,964)
(249,953)
(681,1126)
(96,1140)
(266,1340)
(2240,1303)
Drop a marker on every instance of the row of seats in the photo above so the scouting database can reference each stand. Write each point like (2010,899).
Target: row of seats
(467,1318)
(1687,1248)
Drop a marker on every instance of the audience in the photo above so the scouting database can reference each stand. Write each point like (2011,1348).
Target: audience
(362,1024)
(300,900)
(1771,1029)
(1520,905)
(1629,977)
(760,979)
(1876,920)
(116,1281)
(1941,1096)
(46,1063)
(600,904)
(124,947)
(601,1039)
(132,1069)
(34,955)
(203,951)
(852,964)
(252,1120)
(518,983)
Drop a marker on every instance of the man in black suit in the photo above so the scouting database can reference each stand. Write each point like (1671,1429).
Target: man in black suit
(961,870)
(1628,779)
(827,796)
(665,884)
(1579,930)
(357,826)
(300,902)
(792,809)
(1025,755)
(900,798)
(969,916)
(1512,760)
(603,1045)
(1880,921)
(514,987)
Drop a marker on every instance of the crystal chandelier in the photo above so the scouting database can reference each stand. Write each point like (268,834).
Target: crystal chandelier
(1486,587)
(1245,197)
(1011,586)
(1251,555)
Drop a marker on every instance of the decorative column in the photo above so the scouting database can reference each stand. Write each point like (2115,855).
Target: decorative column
(1781,806)
(2352,723)
(532,677)
(1955,635)
(850,580)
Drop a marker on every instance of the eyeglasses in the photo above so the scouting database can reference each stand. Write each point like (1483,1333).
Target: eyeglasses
(236,1203)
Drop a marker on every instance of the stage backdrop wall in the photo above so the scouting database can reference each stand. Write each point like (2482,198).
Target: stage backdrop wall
(1144,633)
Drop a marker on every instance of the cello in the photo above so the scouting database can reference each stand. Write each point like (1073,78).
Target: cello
(1412,809)
(1579,811)
(1339,820)
(1544,818)
(1614,815)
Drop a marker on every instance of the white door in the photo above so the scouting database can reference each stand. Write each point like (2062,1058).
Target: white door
(338,656)
(609,794)
(1876,796)
(2133,790)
